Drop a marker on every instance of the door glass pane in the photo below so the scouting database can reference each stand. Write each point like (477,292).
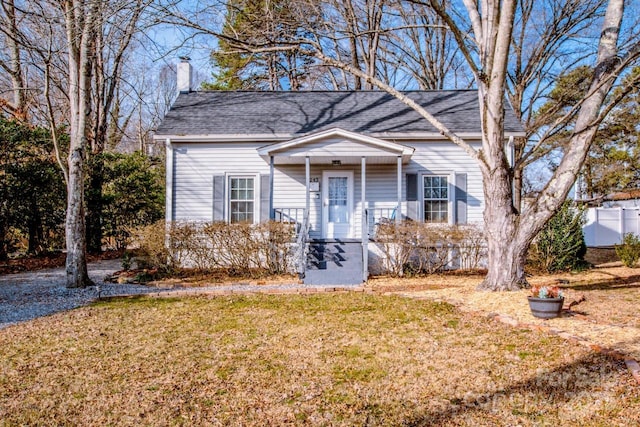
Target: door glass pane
(338,212)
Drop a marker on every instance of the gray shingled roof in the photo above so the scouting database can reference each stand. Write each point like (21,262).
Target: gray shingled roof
(300,113)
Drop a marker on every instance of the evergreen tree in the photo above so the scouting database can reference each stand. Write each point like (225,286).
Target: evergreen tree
(613,163)
(32,194)
(614,160)
(133,194)
(560,245)
(263,22)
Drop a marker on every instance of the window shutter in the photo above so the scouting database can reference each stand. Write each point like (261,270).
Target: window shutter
(218,198)
(412,187)
(461,198)
(412,196)
(265,191)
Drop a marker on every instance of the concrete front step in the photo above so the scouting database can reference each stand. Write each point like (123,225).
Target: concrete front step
(334,263)
(324,277)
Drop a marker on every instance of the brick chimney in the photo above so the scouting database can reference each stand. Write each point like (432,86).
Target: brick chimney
(185,75)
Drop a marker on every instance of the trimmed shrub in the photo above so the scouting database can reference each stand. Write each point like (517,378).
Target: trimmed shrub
(560,245)
(629,250)
(242,249)
(472,248)
(417,248)
(152,250)
(397,242)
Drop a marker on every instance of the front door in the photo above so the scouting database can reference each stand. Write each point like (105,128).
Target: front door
(337,204)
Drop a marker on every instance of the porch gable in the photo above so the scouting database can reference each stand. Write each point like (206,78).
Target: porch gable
(339,145)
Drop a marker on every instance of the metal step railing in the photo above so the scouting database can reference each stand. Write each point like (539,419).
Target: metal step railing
(302,245)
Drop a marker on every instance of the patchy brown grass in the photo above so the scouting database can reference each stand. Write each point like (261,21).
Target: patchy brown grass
(326,359)
(451,279)
(190,278)
(613,295)
(608,317)
(223,278)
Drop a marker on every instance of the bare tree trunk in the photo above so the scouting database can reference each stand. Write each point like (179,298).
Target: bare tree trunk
(518,173)
(34,226)
(352,24)
(510,274)
(4,203)
(80,17)
(107,71)
(374,21)
(95,206)
(588,180)
(15,63)
(501,228)
(93,225)
(77,275)
(509,235)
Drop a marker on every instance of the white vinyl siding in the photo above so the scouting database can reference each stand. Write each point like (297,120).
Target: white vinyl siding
(336,147)
(195,165)
(446,158)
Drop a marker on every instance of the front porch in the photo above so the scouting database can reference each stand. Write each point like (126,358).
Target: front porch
(336,261)
(348,182)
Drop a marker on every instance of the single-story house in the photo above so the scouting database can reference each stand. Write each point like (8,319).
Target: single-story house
(336,162)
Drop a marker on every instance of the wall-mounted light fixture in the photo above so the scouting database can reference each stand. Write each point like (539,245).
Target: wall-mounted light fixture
(336,162)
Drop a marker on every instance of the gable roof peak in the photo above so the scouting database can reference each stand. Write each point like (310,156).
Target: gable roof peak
(332,133)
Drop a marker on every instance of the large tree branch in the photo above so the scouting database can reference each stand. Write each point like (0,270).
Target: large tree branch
(473,153)
(460,37)
(548,201)
(560,123)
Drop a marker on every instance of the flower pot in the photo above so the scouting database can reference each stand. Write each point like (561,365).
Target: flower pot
(546,308)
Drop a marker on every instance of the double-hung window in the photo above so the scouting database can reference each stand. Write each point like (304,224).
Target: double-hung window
(241,199)
(435,198)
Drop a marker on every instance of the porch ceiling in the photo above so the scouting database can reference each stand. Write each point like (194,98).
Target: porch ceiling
(336,145)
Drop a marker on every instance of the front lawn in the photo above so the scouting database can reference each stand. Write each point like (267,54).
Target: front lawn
(606,314)
(327,359)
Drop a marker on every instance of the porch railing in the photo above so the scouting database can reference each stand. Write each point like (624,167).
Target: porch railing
(299,217)
(290,215)
(301,245)
(377,216)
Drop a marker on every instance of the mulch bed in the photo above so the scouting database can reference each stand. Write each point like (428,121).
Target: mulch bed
(48,260)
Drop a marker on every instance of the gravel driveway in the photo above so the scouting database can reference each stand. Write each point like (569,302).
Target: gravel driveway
(25,296)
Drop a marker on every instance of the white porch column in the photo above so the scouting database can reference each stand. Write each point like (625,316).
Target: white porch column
(399,206)
(364,233)
(307,173)
(272,214)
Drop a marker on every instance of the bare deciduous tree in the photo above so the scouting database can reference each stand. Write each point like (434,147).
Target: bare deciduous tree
(425,50)
(81,21)
(64,64)
(492,33)
(12,63)
(114,32)
(539,55)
